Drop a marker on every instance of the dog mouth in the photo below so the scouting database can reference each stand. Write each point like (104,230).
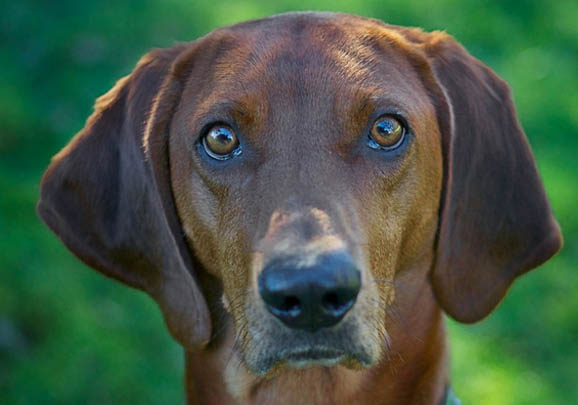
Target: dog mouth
(314,357)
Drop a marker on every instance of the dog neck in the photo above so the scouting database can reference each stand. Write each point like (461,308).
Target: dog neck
(413,369)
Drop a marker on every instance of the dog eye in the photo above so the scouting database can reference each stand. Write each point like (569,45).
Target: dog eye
(386,133)
(221,143)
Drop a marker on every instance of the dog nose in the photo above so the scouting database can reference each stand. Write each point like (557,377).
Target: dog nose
(310,297)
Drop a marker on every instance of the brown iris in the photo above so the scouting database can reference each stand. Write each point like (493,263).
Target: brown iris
(387,132)
(221,142)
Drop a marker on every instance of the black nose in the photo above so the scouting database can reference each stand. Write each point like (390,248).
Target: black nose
(311,297)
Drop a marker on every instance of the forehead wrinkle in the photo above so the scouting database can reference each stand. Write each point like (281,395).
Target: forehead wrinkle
(353,57)
(235,53)
(298,54)
(356,49)
(293,56)
(249,53)
(330,58)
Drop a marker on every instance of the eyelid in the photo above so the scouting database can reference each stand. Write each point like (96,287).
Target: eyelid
(394,111)
(207,125)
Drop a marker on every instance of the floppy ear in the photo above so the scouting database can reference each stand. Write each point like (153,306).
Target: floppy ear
(496,222)
(110,202)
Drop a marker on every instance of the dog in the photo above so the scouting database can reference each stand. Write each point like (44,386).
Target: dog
(304,196)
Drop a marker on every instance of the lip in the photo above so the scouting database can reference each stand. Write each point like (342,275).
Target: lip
(301,358)
(320,356)
(314,357)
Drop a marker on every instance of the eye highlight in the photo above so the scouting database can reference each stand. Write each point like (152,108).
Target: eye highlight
(387,133)
(221,143)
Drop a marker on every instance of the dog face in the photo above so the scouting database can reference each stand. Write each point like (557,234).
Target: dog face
(308,182)
(305,163)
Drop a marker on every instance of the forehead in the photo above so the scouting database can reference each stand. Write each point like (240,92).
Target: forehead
(305,60)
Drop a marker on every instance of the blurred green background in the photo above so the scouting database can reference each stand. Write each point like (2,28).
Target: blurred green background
(68,335)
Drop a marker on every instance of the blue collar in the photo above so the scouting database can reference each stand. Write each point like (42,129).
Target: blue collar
(450,398)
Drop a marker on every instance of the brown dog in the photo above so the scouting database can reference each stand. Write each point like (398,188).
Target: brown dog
(303,195)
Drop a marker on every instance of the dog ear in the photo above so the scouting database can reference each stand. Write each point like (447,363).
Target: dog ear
(495,220)
(109,199)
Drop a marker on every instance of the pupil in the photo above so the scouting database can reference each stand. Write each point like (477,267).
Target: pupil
(386,127)
(224,136)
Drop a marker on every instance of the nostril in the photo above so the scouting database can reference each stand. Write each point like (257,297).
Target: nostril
(290,306)
(335,303)
(331,301)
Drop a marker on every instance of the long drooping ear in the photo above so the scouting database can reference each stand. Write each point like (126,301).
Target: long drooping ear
(110,202)
(495,222)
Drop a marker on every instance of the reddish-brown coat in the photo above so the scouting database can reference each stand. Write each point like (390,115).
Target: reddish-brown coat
(446,225)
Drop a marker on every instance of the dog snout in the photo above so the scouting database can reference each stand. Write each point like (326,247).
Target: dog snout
(313,296)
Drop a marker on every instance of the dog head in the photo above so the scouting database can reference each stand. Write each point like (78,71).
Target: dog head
(304,163)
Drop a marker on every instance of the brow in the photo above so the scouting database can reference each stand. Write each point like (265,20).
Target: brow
(245,110)
(369,100)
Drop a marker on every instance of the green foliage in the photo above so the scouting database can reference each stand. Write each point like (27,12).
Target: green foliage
(68,335)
